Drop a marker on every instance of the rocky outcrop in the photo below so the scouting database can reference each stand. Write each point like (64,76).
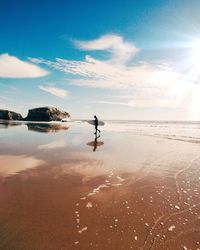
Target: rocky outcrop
(46,114)
(9,115)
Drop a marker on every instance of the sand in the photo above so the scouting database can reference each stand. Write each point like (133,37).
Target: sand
(134,192)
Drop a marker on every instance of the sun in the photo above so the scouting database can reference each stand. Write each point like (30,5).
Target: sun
(191,64)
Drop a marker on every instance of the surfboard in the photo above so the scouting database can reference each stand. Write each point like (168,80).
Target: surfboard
(100,123)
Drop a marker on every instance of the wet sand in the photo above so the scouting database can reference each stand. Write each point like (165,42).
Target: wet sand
(133,192)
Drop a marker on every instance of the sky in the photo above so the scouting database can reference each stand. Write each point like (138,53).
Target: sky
(132,59)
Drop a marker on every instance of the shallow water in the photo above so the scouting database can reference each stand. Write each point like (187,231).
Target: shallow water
(135,187)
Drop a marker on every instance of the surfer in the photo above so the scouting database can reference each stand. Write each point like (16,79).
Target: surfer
(96,123)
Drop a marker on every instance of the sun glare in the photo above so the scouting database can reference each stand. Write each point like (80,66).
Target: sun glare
(196,52)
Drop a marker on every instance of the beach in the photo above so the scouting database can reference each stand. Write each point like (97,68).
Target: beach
(137,186)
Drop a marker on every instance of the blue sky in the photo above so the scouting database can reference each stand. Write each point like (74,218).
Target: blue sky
(116,59)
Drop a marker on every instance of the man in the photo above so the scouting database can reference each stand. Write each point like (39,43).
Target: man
(96,123)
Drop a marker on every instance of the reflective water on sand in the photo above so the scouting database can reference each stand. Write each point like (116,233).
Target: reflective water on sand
(62,188)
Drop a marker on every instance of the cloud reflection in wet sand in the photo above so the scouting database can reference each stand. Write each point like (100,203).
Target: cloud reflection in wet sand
(54,144)
(10,164)
(135,192)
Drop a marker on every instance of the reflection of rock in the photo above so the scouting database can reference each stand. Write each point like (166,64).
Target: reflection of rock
(7,124)
(46,114)
(11,164)
(46,127)
(9,115)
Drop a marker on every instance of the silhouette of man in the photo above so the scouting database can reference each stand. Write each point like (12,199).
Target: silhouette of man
(95,142)
(96,123)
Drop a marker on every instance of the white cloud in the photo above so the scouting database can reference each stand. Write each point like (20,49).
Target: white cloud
(55,91)
(129,103)
(3,106)
(121,51)
(96,73)
(150,84)
(12,67)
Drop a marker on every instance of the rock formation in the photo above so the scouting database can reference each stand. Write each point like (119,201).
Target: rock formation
(46,114)
(9,115)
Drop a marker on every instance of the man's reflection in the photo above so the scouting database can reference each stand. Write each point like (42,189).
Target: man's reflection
(95,143)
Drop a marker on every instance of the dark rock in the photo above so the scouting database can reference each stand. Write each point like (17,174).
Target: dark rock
(46,114)
(9,115)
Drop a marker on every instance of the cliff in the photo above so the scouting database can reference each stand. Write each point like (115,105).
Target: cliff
(9,115)
(46,114)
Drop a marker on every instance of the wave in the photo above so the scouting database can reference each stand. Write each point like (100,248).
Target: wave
(173,130)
